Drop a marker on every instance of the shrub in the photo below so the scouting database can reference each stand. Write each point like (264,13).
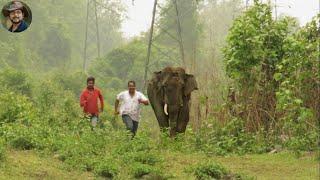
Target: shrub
(73,82)
(148,158)
(140,170)
(210,170)
(22,143)
(14,107)
(22,137)
(141,143)
(16,81)
(230,138)
(107,168)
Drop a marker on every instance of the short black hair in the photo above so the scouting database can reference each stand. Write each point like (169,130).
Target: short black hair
(133,82)
(91,78)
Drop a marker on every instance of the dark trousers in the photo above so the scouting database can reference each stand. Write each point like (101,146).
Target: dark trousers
(131,125)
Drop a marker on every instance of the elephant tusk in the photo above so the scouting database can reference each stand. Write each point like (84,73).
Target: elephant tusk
(165,108)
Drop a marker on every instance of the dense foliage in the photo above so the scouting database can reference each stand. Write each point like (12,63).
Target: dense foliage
(50,122)
(274,66)
(57,33)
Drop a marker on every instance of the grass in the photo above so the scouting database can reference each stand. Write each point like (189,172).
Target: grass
(275,166)
(284,165)
(29,165)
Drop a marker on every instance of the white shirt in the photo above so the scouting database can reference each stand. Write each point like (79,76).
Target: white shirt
(129,105)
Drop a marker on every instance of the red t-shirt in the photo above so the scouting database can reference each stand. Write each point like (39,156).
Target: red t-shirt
(89,101)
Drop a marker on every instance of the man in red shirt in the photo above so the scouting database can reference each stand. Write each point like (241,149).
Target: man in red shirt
(89,101)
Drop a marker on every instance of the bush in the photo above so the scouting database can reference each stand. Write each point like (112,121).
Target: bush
(141,143)
(14,107)
(212,170)
(143,157)
(141,170)
(107,168)
(16,81)
(22,143)
(74,82)
(230,138)
(147,158)
(22,137)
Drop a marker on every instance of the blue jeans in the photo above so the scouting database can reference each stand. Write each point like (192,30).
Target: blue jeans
(131,125)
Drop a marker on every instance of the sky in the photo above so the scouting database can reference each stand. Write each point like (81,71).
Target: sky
(140,14)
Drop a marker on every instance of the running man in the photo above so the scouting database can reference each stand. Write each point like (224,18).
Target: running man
(130,101)
(89,101)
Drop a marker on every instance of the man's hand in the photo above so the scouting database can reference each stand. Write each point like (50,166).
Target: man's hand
(146,102)
(83,103)
(116,106)
(116,112)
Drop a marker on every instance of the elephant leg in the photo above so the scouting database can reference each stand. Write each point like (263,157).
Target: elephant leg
(173,119)
(184,117)
(157,106)
(160,115)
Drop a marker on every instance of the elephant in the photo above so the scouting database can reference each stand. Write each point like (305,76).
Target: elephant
(169,93)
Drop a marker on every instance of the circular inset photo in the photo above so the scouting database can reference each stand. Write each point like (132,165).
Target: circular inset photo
(16,16)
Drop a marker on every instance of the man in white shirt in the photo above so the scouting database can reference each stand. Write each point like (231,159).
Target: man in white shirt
(130,101)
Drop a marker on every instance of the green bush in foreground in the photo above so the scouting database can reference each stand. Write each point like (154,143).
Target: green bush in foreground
(212,170)
(14,107)
(22,143)
(107,169)
(146,171)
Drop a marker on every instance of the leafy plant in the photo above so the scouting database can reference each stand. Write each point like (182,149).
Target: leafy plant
(212,170)
(299,88)
(107,168)
(140,170)
(16,81)
(15,107)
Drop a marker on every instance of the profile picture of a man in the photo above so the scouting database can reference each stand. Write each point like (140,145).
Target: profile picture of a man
(16,14)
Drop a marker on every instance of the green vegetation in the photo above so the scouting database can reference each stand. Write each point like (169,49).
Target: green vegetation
(53,127)
(30,165)
(274,67)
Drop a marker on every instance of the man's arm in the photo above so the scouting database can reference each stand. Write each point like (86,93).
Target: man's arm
(116,107)
(101,101)
(83,100)
(143,100)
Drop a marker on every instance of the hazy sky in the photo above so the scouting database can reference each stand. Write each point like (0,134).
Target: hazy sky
(139,14)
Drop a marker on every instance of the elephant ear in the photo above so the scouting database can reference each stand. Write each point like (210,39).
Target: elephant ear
(156,77)
(190,84)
